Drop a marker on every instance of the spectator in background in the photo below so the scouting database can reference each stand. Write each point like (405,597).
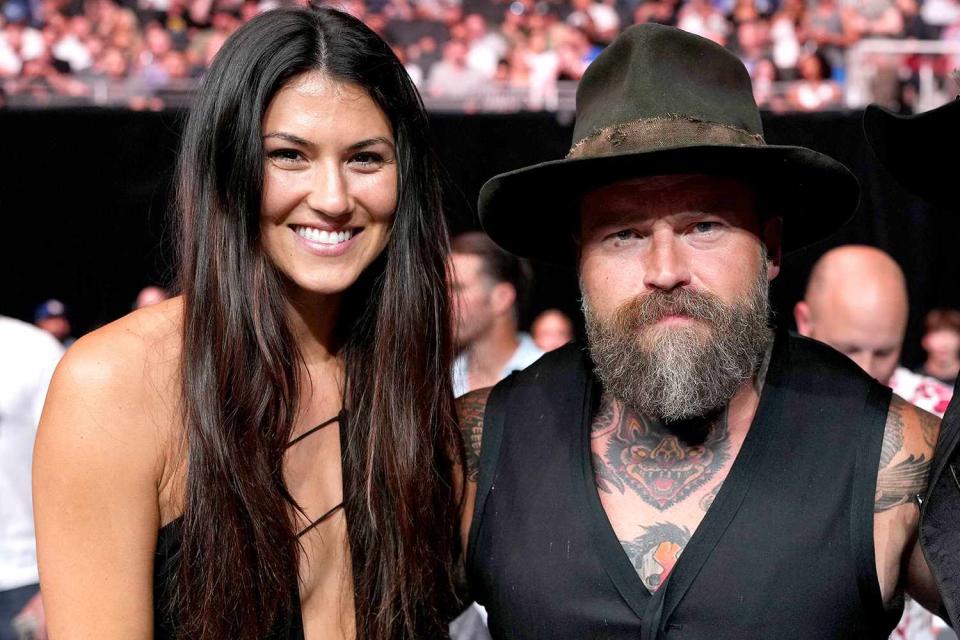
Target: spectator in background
(703,19)
(830,28)
(451,77)
(814,91)
(596,18)
(484,48)
(149,296)
(875,18)
(488,290)
(764,77)
(941,341)
(752,43)
(786,34)
(656,11)
(551,330)
(29,358)
(856,302)
(51,316)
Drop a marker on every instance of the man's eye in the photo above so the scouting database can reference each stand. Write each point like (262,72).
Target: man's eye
(706,226)
(624,234)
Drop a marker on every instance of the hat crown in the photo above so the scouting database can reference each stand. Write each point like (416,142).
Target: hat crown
(653,72)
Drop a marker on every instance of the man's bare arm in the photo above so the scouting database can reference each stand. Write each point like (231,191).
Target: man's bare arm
(908,443)
(470,410)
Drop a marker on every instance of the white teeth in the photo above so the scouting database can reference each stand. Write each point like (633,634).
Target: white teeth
(321,236)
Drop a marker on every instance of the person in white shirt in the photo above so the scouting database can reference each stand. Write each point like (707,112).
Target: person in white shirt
(29,356)
(488,288)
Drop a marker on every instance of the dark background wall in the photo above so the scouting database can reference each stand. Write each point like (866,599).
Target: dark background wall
(84,200)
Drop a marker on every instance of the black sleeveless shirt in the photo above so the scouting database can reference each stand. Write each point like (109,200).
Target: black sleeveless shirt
(785,551)
(167,562)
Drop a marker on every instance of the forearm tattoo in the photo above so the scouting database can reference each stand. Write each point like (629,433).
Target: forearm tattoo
(899,483)
(470,409)
(653,461)
(655,553)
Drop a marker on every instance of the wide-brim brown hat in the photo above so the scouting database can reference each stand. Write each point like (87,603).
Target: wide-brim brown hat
(914,148)
(662,101)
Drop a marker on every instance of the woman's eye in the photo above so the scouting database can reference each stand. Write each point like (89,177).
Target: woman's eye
(287,156)
(367,159)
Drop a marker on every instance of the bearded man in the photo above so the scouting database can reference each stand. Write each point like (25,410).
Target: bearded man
(693,472)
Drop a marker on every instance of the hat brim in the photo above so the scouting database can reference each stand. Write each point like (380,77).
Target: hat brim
(906,147)
(534,211)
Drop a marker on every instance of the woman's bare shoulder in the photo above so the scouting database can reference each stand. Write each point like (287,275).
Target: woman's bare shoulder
(128,353)
(120,380)
(100,459)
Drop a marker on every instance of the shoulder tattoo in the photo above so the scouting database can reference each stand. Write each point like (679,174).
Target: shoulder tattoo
(470,410)
(909,437)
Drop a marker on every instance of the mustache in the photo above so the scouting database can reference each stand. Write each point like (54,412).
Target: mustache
(649,308)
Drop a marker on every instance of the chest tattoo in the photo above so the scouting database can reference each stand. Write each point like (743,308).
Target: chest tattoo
(655,553)
(656,464)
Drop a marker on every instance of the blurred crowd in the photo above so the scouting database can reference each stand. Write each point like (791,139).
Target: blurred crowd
(140,52)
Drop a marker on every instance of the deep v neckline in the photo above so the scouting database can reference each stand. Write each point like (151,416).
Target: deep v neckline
(655,608)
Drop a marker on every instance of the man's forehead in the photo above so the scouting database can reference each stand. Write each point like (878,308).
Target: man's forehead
(666,195)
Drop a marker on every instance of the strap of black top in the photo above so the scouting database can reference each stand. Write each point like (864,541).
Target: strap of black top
(310,432)
(341,418)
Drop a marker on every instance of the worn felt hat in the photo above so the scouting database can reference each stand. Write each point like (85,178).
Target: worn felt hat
(662,101)
(919,150)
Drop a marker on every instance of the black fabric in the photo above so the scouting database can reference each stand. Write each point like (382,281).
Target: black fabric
(167,561)
(940,515)
(912,148)
(786,550)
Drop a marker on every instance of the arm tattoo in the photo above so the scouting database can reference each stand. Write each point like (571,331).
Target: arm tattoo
(899,483)
(660,465)
(930,426)
(655,553)
(892,433)
(470,409)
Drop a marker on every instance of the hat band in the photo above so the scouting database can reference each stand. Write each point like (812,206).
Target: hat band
(651,134)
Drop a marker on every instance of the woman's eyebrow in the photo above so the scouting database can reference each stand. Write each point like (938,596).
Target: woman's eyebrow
(370,142)
(289,137)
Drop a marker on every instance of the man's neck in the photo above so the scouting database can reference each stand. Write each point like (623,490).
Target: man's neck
(490,353)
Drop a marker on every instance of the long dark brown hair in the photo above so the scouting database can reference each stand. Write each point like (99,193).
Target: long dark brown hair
(241,365)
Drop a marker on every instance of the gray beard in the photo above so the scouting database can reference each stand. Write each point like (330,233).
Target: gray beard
(678,373)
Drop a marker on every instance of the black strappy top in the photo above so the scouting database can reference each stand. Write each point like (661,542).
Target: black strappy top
(167,560)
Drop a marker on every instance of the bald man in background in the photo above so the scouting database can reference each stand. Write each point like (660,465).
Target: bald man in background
(856,302)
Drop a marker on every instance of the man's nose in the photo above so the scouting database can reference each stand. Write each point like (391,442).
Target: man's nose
(666,267)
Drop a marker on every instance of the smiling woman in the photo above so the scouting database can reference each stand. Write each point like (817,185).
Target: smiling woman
(188,482)
(330,185)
